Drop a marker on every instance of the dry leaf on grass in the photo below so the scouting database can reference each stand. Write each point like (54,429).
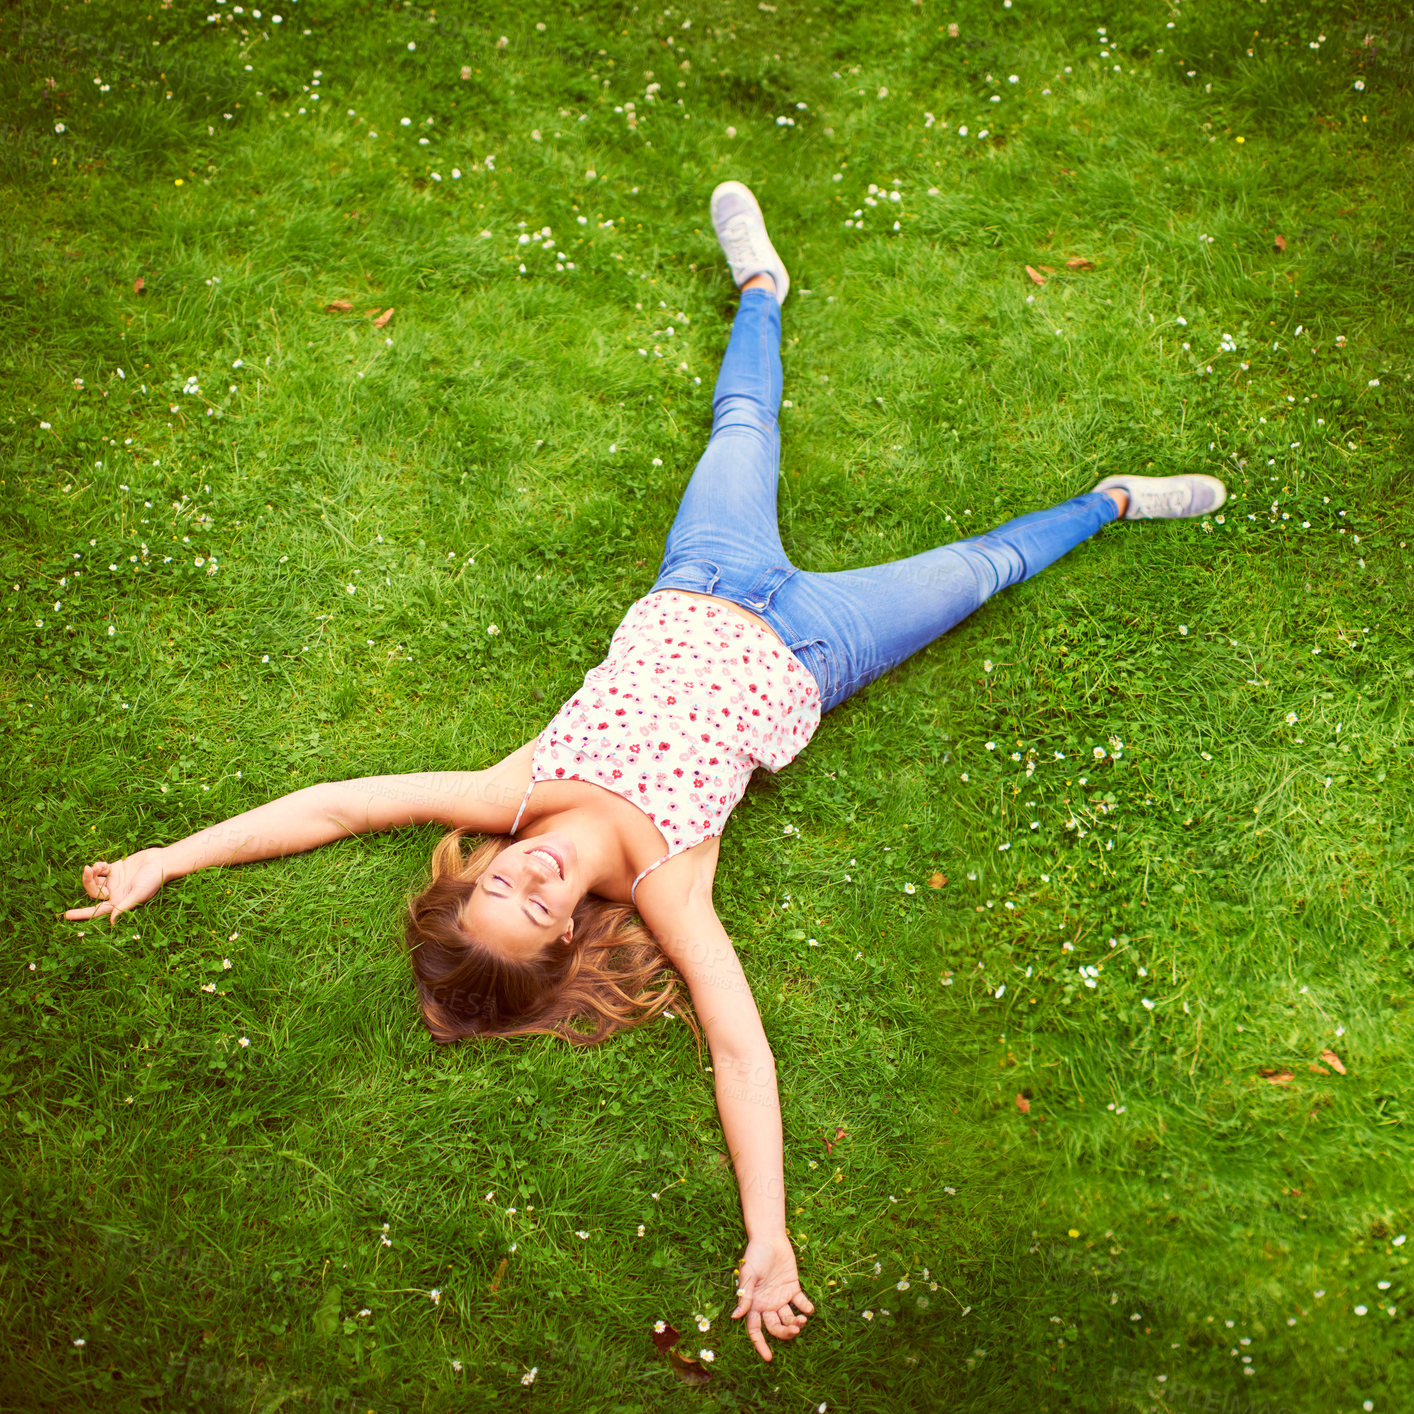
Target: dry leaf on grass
(1280,242)
(1023,1104)
(139,285)
(383,319)
(1318,1068)
(937,881)
(666,1338)
(688,1371)
(830,1143)
(1078,262)
(1334,1061)
(338,306)
(1036,275)
(1276,1077)
(496,1280)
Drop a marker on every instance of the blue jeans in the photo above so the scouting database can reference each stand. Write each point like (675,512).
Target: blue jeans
(848,626)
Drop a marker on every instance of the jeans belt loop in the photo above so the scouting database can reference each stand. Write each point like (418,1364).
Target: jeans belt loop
(762,592)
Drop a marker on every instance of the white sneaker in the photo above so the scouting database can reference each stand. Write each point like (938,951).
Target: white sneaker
(741,232)
(1167,497)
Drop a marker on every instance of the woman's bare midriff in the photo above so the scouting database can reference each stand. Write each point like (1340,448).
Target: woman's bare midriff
(736,609)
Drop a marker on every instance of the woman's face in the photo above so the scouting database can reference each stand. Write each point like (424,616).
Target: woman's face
(526,897)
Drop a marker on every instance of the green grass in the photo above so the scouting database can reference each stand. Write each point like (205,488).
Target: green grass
(207,1217)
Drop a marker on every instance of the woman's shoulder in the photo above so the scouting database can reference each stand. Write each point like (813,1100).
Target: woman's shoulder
(681,880)
(502,788)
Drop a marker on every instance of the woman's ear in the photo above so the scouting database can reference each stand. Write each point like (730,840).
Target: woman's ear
(567,937)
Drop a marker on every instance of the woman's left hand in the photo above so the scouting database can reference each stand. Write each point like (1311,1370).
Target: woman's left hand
(770,1293)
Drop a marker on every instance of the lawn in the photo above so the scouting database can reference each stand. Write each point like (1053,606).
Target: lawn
(356,355)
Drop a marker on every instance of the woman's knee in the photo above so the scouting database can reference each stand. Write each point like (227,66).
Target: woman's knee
(995,562)
(744,413)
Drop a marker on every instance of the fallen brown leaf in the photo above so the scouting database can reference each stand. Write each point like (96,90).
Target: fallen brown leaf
(1023,1104)
(139,285)
(338,306)
(383,319)
(1281,242)
(688,1371)
(1319,1068)
(1049,269)
(496,1280)
(1334,1061)
(666,1338)
(1276,1077)
(937,881)
(830,1143)
(1036,275)
(374,310)
(1078,262)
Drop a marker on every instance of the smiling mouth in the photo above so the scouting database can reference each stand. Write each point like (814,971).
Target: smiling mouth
(550,857)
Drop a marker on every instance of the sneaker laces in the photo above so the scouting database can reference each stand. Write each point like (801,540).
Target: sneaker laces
(1173,497)
(736,242)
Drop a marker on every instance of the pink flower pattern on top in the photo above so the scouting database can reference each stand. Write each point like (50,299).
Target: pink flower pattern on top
(691,698)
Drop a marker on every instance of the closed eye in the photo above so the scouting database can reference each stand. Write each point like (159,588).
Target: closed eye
(506,885)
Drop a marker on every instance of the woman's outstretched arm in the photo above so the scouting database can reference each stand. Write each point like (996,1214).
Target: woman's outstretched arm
(692,937)
(474,800)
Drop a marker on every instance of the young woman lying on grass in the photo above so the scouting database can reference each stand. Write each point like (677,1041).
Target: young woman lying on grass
(618,806)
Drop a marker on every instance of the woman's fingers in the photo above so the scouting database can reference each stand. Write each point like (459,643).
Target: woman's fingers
(95,878)
(99,910)
(100,882)
(784,1324)
(753,1329)
(96,881)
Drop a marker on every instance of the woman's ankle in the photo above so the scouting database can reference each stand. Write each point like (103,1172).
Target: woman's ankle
(759,282)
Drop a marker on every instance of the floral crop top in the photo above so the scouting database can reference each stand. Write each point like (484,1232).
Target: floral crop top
(691,698)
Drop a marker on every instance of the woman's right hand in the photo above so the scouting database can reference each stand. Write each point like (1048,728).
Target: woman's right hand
(121,886)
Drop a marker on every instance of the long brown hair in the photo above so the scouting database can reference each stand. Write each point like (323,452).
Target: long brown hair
(602,983)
